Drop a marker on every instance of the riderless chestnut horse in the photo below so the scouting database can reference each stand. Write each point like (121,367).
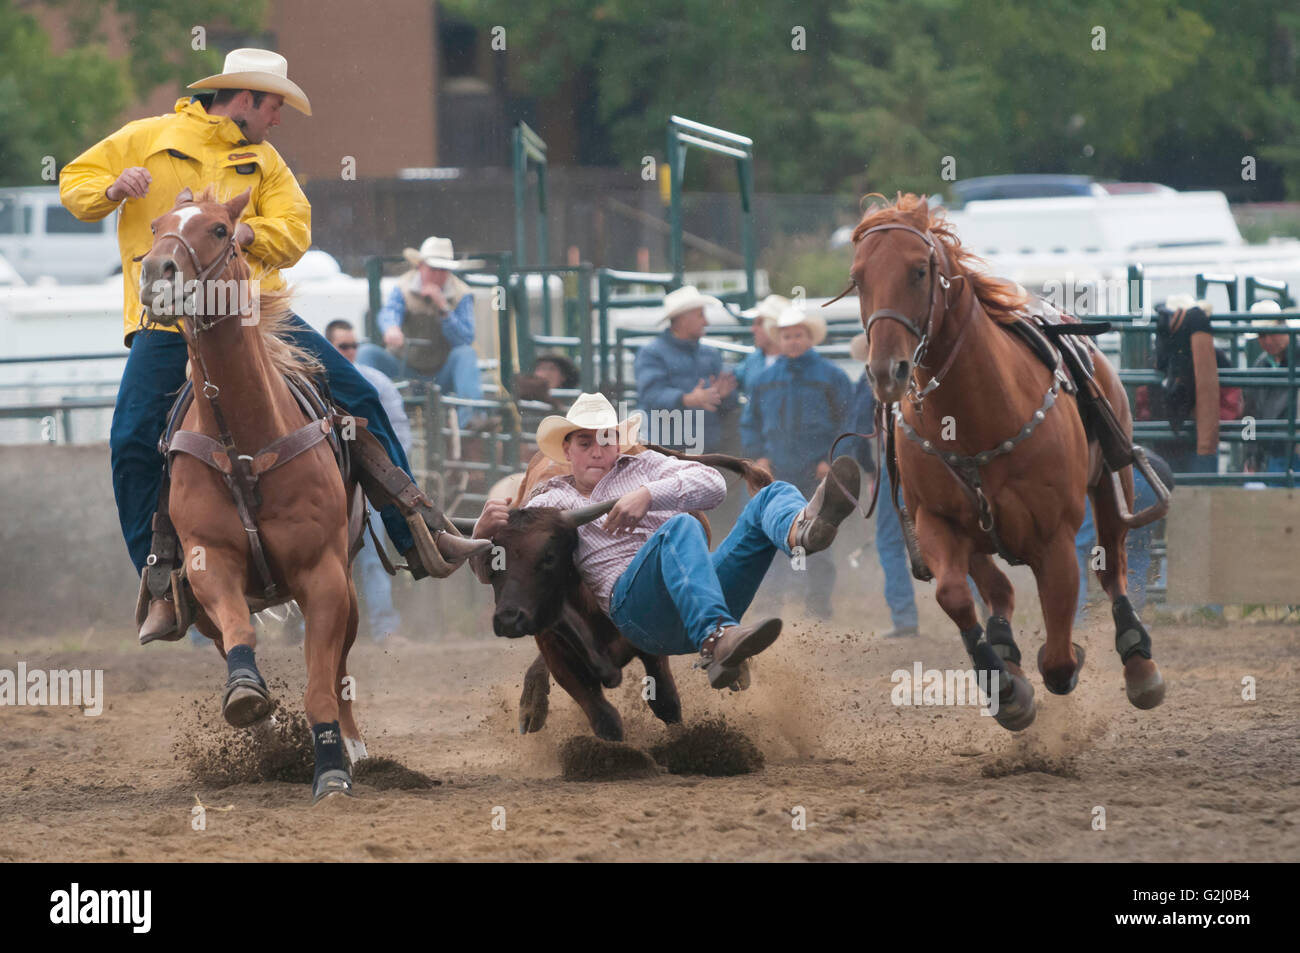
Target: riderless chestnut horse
(257,496)
(995,449)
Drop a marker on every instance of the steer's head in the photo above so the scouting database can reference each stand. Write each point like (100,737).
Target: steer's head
(533,572)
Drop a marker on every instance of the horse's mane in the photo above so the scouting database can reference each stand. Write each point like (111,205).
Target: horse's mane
(274,311)
(1000,298)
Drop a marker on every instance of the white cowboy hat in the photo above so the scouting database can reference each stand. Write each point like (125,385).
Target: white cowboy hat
(858,348)
(793,317)
(769,309)
(435,252)
(1269,324)
(589,412)
(259,70)
(686,298)
(1185,302)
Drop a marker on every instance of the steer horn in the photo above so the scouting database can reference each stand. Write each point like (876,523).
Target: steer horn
(585,514)
(463,524)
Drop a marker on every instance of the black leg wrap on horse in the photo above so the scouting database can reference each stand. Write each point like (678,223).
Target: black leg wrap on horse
(327,741)
(986,660)
(1131,636)
(241,663)
(1002,640)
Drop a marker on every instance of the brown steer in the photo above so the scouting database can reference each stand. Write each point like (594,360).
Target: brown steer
(540,593)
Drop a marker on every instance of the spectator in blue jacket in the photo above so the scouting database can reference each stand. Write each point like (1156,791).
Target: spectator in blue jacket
(797,408)
(428,326)
(765,350)
(680,383)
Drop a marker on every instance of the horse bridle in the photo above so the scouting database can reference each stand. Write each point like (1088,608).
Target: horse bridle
(214,268)
(920,331)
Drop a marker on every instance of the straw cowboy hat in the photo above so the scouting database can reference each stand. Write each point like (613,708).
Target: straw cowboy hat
(1268,325)
(1185,302)
(686,298)
(435,252)
(858,348)
(589,412)
(259,70)
(793,317)
(769,309)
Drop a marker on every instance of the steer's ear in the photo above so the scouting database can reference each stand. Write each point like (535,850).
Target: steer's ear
(585,514)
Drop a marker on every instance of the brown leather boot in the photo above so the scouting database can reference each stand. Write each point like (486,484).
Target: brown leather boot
(817,523)
(724,652)
(161,624)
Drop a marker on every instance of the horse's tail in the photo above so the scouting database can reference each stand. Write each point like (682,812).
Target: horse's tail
(756,477)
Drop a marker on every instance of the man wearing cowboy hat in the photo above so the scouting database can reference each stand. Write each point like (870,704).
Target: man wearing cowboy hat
(765,350)
(215,138)
(648,561)
(428,326)
(677,375)
(797,407)
(1271,403)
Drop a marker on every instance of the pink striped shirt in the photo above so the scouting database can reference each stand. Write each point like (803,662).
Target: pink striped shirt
(675,486)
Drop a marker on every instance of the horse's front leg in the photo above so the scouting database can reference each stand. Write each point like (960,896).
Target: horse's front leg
(219,588)
(947,552)
(353,743)
(1000,597)
(1057,575)
(327,600)
(1143,682)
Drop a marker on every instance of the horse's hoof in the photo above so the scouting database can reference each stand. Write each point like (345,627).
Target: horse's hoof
(1017,709)
(1146,686)
(246,702)
(1054,682)
(334,781)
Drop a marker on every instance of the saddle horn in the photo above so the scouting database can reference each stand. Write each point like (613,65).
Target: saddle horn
(585,514)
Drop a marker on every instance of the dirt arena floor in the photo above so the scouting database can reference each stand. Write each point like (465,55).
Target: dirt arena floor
(1207,777)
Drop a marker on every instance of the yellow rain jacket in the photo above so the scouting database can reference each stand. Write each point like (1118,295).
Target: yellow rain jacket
(190,148)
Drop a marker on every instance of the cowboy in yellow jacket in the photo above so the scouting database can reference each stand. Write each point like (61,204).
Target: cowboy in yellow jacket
(210,139)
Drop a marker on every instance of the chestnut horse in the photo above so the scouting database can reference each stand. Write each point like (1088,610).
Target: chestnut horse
(238,359)
(992,454)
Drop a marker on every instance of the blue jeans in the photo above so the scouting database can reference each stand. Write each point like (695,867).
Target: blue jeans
(376,591)
(891,549)
(1138,548)
(458,376)
(675,593)
(155,372)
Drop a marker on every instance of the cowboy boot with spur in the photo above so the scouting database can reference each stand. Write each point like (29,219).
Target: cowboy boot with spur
(439,547)
(815,527)
(723,653)
(155,610)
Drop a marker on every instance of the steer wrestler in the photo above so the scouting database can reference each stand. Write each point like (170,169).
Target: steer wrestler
(648,561)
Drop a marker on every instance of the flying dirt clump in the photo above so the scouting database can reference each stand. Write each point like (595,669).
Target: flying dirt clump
(710,747)
(277,749)
(385,774)
(584,758)
(1030,764)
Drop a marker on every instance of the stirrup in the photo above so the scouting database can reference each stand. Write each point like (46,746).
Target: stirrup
(426,548)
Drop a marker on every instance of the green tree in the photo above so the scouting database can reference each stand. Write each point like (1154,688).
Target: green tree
(56,105)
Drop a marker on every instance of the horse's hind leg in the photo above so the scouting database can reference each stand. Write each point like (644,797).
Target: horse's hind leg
(352,740)
(323,593)
(948,553)
(1057,575)
(534,700)
(1143,682)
